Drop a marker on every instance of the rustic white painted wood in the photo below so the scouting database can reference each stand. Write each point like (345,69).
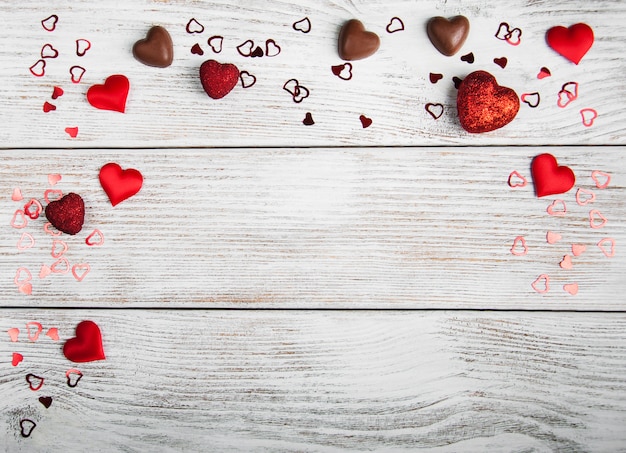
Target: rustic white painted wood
(167,107)
(321,381)
(307,228)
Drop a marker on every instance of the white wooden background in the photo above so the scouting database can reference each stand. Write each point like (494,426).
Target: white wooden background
(403,229)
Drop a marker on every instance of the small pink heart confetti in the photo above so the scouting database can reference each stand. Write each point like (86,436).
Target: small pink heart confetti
(543,73)
(26,288)
(553,238)
(557,208)
(610,243)
(596,219)
(17,194)
(601,179)
(584,197)
(588,116)
(571,288)
(542,284)
(53,333)
(80,271)
(44,271)
(519,247)
(60,266)
(566,262)
(95,239)
(14,333)
(54,178)
(516,180)
(33,329)
(25,242)
(578,249)
(394,25)
(16,359)
(59,248)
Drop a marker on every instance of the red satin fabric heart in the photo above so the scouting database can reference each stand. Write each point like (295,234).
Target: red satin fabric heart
(111,95)
(483,105)
(67,214)
(549,178)
(218,79)
(119,184)
(86,346)
(573,42)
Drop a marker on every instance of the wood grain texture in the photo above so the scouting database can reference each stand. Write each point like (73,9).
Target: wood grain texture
(329,228)
(322,381)
(167,107)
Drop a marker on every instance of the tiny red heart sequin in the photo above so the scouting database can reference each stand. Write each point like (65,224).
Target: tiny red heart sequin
(111,95)
(549,178)
(119,184)
(218,79)
(87,345)
(573,42)
(483,105)
(67,214)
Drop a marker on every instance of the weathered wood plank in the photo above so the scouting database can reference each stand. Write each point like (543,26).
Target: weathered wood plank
(311,381)
(167,107)
(307,228)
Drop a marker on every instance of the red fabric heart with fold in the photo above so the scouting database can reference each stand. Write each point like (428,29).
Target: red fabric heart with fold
(573,42)
(549,178)
(119,184)
(218,79)
(111,95)
(87,345)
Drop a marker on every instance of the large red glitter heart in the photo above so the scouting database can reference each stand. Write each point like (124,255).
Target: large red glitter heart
(549,178)
(573,42)
(110,96)
(218,79)
(119,184)
(87,345)
(67,214)
(483,105)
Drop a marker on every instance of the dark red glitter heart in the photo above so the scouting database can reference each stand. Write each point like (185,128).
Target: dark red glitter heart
(218,79)
(67,214)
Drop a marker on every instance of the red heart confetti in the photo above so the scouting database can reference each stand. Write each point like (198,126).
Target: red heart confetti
(50,22)
(26,427)
(365,121)
(73,377)
(215,42)
(245,48)
(77,73)
(588,116)
(308,119)
(516,180)
(32,214)
(46,401)
(193,26)
(33,330)
(47,107)
(531,99)
(457,82)
(82,46)
(67,214)
(343,71)
(502,62)
(395,25)
(573,42)
(16,359)
(468,58)
(543,73)
(483,105)
(271,48)
(48,51)
(549,178)
(434,77)
(247,79)
(86,346)
(256,53)
(197,50)
(95,239)
(34,382)
(71,131)
(111,95)
(218,79)
(57,92)
(38,69)
(435,110)
(303,25)
(119,184)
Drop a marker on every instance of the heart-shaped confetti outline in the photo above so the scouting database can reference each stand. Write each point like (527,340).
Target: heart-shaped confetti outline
(19,215)
(610,253)
(247,80)
(56,266)
(76,73)
(26,427)
(531,99)
(303,25)
(96,233)
(216,42)
(590,196)
(588,116)
(594,216)
(271,48)
(518,242)
(435,110)
(395,25)
(543,280)
(193,26)
(246,48)
(557,208)
(48,51)
(34,382)
(18,279)
(25,242)
(38,69)
(50,22)
(601,185)
(33,330)
(80,271)
(82,46)
(59,248)
(70,379)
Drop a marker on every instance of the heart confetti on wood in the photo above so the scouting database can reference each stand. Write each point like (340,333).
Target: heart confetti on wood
(111,95)
(483,105)
(34,382)
(355,43)
(46,401)
(365,121)
(86,346)
(549,178)
(67,214)
(573,42)
(218,79)
(16,358)
(119,184)
(448,35)
(156,49)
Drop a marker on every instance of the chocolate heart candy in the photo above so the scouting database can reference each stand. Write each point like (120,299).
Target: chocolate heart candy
(446,35)
(355,43)
(156,49)
(483,105)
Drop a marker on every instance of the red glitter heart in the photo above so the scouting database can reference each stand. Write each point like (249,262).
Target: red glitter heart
(67,214)
(87,345)
(111,95)
(549,178)
(483,105)
(119,184)
(573,42)
(218,79)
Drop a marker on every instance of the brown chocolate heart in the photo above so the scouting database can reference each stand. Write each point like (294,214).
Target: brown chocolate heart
(448,35)
(156,49)
(355,43)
